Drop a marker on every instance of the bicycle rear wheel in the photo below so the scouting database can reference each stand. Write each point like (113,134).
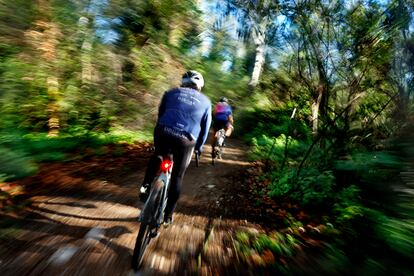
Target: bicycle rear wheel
(148,226)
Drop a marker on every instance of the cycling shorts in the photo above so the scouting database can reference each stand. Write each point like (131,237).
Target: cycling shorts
(219,124)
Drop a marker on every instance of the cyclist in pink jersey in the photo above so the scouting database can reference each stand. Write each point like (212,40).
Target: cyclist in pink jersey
(223,116)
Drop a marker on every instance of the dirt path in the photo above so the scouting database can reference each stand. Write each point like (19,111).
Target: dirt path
(86,224)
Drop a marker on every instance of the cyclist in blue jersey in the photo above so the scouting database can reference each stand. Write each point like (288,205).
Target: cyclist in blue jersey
(223,116)
(184,119)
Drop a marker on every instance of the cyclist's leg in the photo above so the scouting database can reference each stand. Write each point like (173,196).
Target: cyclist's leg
(214,140)
(183,151)
(229,129)
(152,168)
(161,147)
(215,129)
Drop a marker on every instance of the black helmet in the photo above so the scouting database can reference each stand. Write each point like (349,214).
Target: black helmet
(224,100)
(193,79)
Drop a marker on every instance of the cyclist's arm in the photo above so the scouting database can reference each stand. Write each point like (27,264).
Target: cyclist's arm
(230,118)
(230,114)
(205,126)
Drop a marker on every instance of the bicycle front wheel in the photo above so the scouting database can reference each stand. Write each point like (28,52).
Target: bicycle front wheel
(141,243)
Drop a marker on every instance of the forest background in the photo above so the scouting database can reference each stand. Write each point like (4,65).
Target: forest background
(322,93)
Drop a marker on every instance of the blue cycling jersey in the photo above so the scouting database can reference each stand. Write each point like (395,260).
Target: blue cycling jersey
(222,111)
(186,110)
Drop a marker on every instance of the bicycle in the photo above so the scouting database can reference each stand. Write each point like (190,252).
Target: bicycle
(218,145)
(197,158)
(152,214)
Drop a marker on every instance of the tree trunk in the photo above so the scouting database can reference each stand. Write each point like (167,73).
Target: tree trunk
(86,50)
(315,112)
(53,106)
(175,34)
(46,39)
(258,65)
(259,40)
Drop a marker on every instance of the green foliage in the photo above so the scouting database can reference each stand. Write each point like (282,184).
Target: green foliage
(20,154)
(274,122)
(397,234)
(94,101)
(151,70)
(285,254)
(316,187)
(273,149)
(14,164)
(313,188)
(242,237)
(281,245)
(348,205)
(371,166)
(144,20)
(14,16)
(20,93)
(374,214)
(8,231)
(353,59)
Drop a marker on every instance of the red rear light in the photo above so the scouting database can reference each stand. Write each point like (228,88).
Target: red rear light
(166,165)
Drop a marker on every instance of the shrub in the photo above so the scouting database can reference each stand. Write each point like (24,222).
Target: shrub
(14,164)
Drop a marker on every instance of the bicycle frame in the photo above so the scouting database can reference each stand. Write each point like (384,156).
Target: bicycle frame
(164,177)
(219,138)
